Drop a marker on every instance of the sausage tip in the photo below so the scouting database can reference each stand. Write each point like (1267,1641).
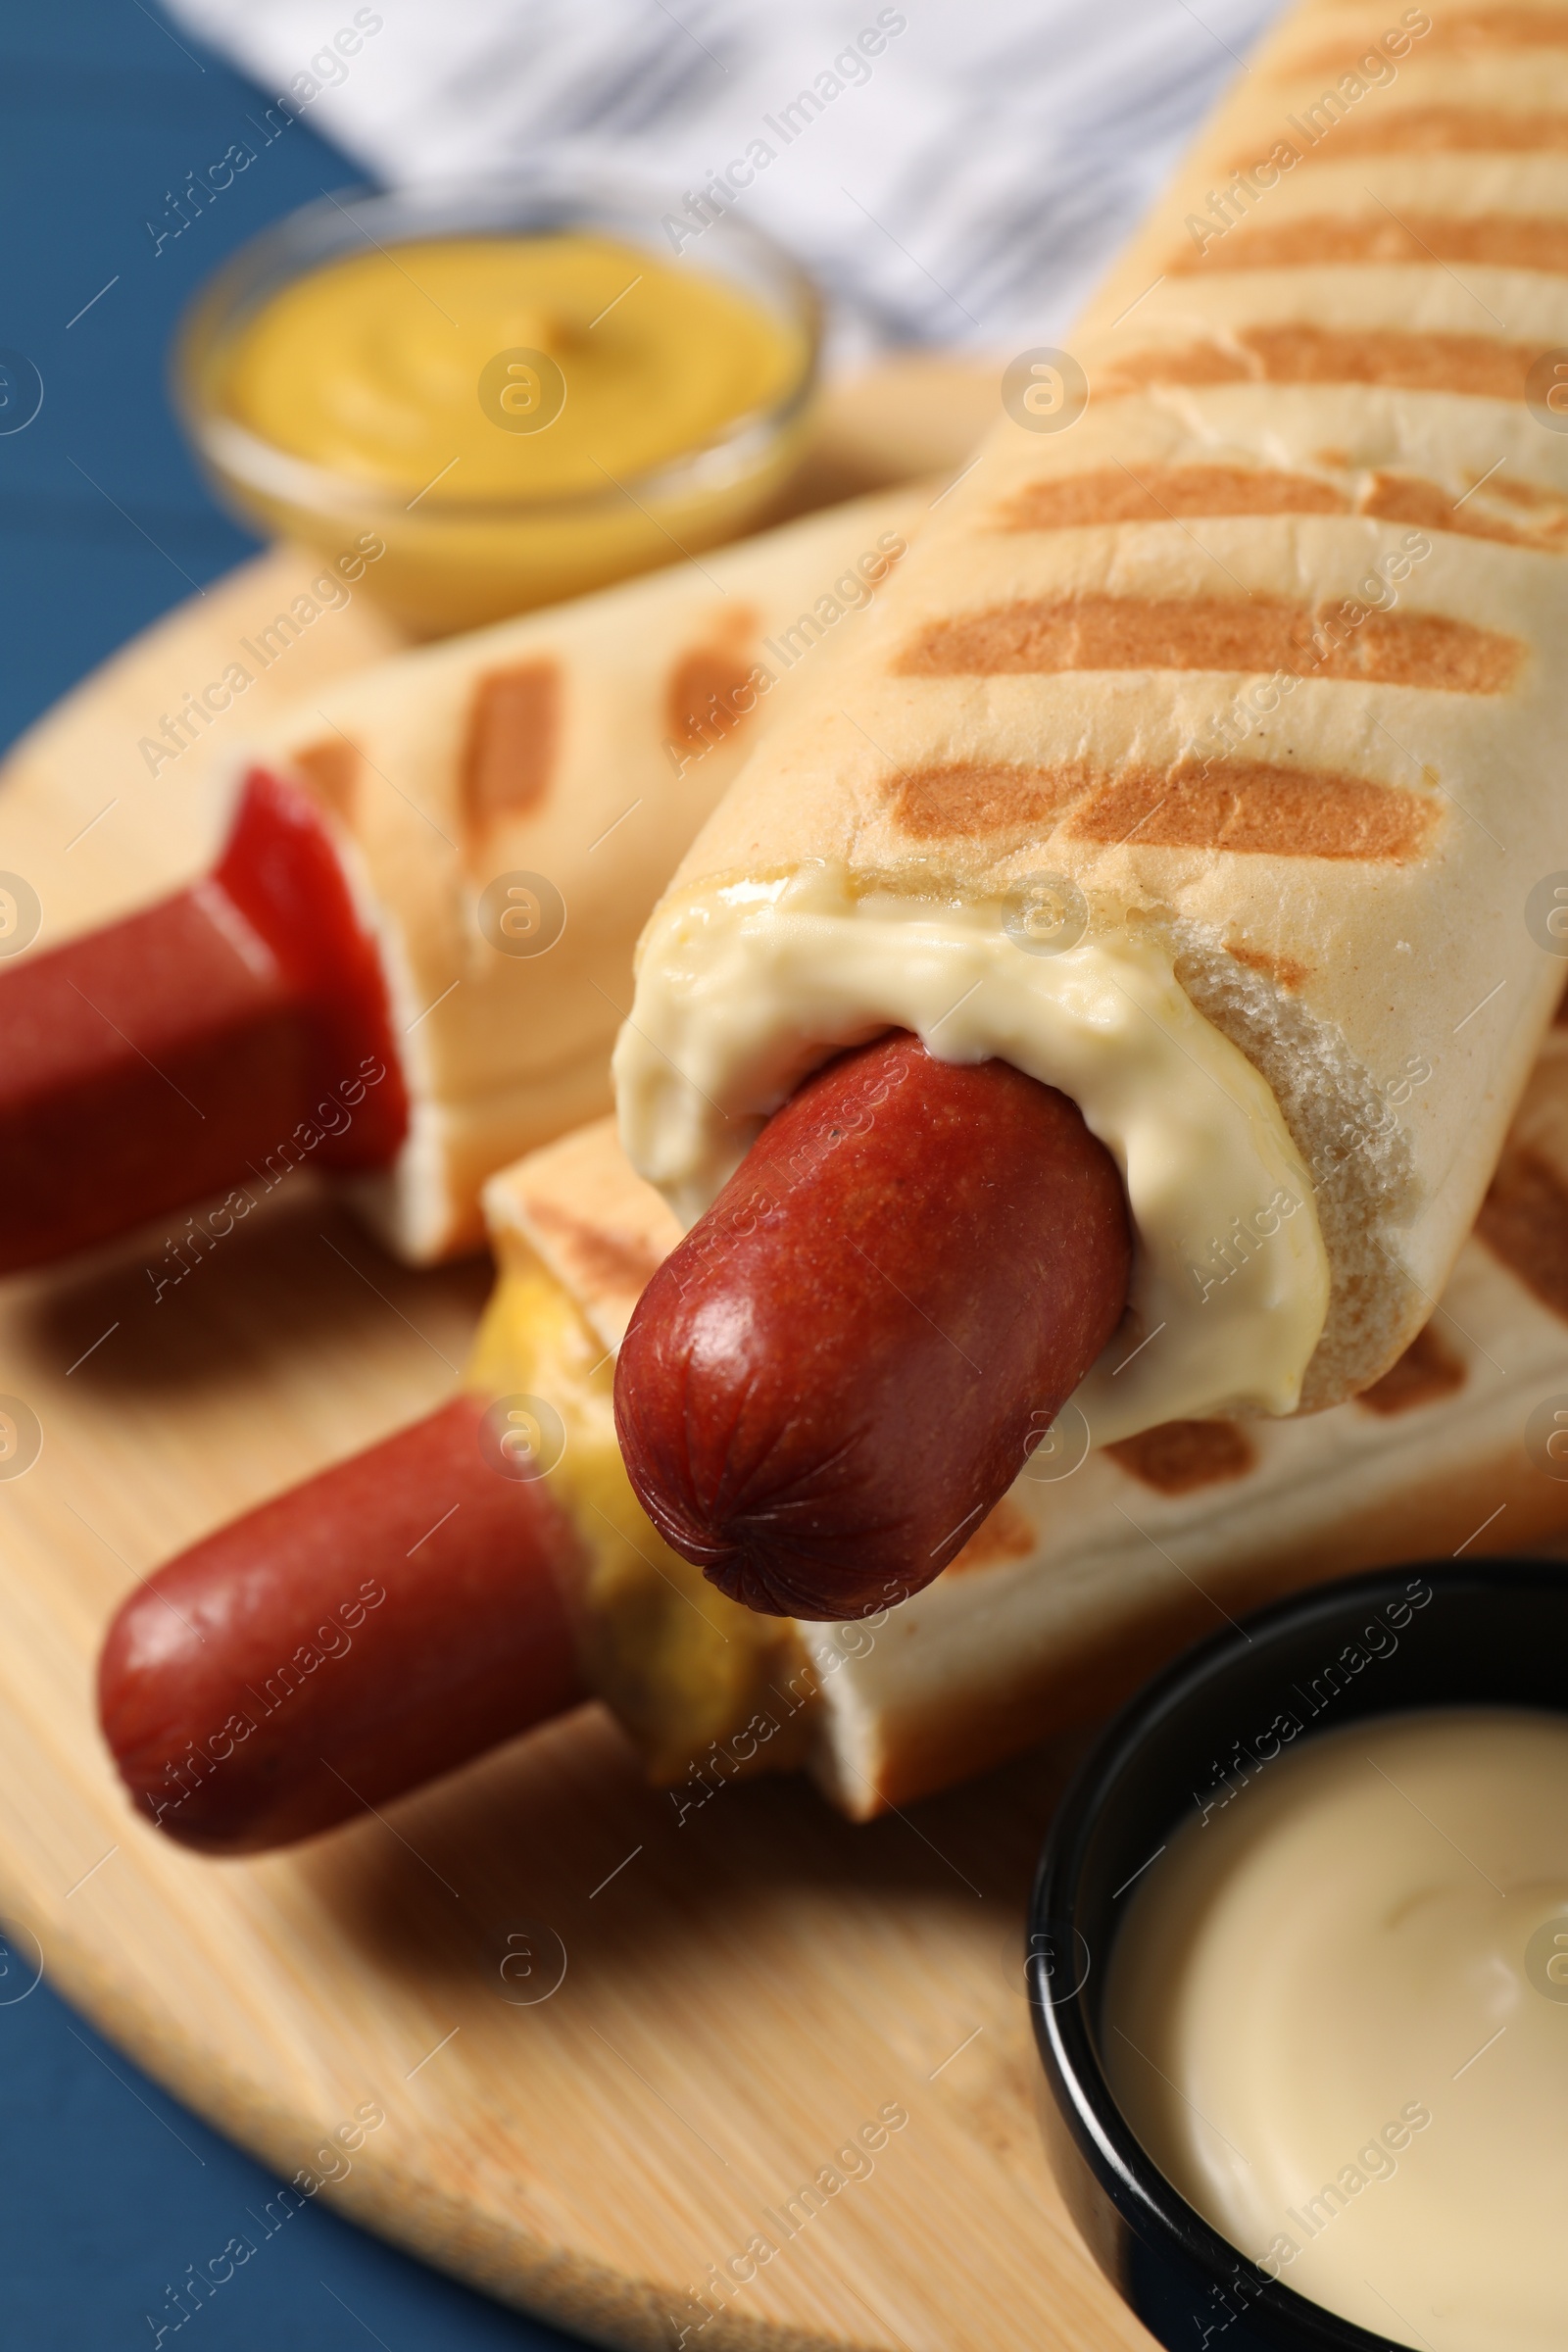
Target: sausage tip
(844,1364)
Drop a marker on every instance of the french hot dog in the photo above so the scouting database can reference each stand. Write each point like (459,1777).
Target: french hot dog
(1202,761)
(1097,1563)
(480,827)
(497,1549)
(783,1420)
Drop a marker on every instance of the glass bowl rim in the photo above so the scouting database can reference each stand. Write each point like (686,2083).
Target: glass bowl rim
(334,224)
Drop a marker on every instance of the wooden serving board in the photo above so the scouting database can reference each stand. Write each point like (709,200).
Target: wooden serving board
(747,1993)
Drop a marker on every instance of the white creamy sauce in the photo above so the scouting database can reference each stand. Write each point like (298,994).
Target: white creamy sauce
(744,990)
(1336,2017)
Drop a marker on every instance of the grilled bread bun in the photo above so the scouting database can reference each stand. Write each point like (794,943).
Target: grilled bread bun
(1208,746)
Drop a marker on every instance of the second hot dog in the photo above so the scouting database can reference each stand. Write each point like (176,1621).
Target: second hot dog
(380,1625)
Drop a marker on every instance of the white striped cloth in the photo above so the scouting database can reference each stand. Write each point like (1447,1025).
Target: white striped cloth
(962,173)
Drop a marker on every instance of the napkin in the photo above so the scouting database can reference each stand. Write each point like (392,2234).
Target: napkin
(953,171)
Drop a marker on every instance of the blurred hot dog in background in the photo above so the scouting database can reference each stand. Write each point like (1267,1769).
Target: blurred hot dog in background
(432,877)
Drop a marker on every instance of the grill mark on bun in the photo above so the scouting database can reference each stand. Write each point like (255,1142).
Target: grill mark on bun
(1246,808)
(1048,636)
(1520,493)
(1178,1456)
(1498,27)
(330,770)
(1471,31)
(703,684)
(1484,367)
(1161,493)
(1436,131)
(1004,1534)
(1523,1222)
(1407,498)
(601,1260)
(1114,494)
(1426,1372)
(508,759)
(1284,971)
(1252,809)
(1494,240)
(973,796)
(1202,363)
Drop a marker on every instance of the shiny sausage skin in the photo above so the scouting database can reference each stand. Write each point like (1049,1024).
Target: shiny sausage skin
(173,1053)
(845,1362)
(378,1624)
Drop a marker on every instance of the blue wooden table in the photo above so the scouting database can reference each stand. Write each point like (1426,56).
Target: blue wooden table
(109,2189)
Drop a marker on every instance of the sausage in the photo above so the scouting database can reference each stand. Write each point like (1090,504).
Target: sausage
(378,1624)
(845,1363)
(169,1055)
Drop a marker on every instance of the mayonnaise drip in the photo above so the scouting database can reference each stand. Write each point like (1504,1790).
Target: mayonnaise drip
(744,989)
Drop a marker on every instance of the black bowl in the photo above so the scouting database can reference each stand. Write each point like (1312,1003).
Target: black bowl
(1425,1635)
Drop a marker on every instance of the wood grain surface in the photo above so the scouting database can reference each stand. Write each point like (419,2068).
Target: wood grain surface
(612,2046)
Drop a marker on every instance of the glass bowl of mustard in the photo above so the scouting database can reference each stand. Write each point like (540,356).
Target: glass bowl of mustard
(500,396)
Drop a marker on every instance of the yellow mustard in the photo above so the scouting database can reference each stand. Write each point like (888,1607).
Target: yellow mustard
(683,1668)
(505,404)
